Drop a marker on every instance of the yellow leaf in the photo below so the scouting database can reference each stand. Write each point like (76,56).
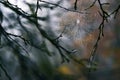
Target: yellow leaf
(65,70)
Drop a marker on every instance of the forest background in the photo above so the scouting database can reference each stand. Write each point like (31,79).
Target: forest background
(59,40)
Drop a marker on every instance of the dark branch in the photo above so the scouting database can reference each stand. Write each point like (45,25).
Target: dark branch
(75,5)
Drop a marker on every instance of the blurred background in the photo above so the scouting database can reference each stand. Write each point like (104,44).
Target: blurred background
(27,54)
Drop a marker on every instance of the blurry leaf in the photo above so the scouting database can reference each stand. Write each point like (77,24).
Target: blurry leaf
(65,70)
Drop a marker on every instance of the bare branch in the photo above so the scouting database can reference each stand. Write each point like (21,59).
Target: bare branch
(3,32)
(115,11)
(104,16)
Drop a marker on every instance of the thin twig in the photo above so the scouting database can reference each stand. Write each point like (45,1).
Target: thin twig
(63,7)
(91,5)
(61,34)
(75,5)
(115,11)
(6,73)
(37,7)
